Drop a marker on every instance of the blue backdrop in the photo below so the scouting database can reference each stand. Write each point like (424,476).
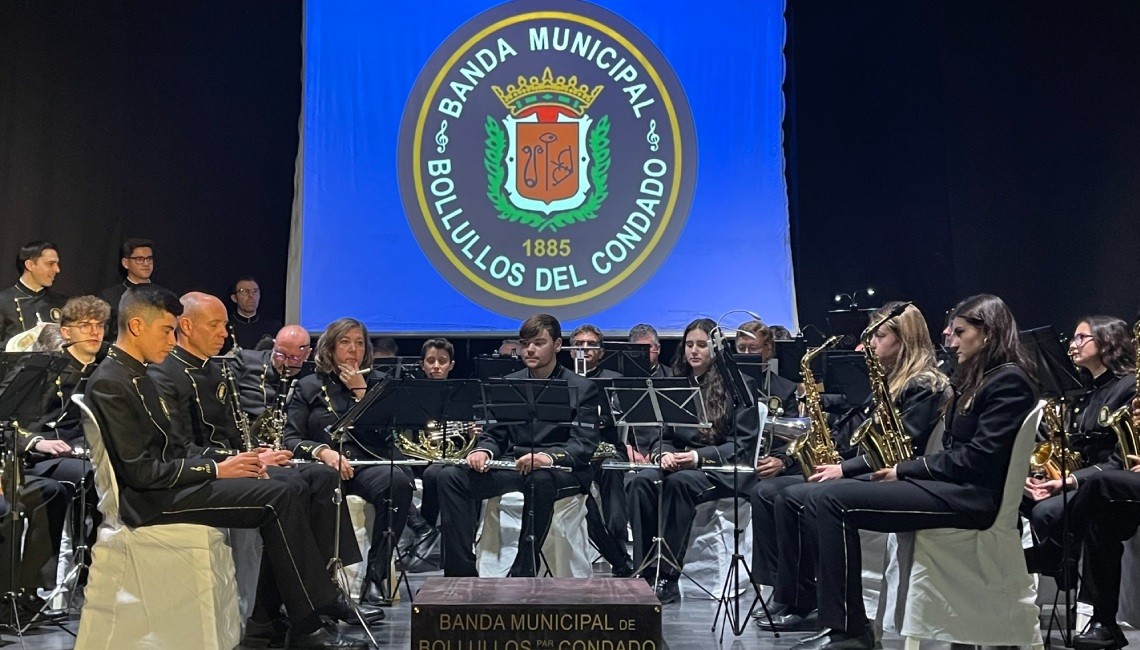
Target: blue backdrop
(358,253)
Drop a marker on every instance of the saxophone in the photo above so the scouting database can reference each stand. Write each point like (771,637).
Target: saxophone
(816,446)
(1046,459)
(269,427)
(1127,436)
(882,438)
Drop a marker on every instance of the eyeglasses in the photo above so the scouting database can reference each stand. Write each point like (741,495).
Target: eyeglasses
(248,292)
(142,259)
(1080,339)
(87,327)
(585,342)
(304,354)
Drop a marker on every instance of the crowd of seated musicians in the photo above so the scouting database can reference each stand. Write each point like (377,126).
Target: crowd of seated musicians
(167,413)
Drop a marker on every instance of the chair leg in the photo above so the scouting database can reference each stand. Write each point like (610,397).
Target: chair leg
(911,643)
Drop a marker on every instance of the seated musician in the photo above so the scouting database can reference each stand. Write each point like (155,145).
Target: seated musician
(202,411)
(919,392)
(684,451)
(162,480)
(344,357)
(754,337)
(56,448)
(959,487)
(529,450)
(1105,514)
(261,374)
(646,334)
(607,522)
(1103,346)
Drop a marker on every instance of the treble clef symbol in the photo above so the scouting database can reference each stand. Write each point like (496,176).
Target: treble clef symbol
(652,138)
(441,137)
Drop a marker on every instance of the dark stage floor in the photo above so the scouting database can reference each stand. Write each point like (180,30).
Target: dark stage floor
(685,625)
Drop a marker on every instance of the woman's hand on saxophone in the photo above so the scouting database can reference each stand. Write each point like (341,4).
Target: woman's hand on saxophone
(826,473)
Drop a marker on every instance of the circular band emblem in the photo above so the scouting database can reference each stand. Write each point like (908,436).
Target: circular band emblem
(547,158)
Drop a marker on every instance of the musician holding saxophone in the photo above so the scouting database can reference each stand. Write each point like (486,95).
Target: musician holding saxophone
(960,486)
(1103,346)
(732,439)
(907,393)
(566,446)
(344,358)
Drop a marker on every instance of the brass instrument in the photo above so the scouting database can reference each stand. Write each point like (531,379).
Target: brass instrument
(605,450)
(241,420)
(436,441)
(1046,459)
(269,427)
(1127,436)
(882,438)
(816,446)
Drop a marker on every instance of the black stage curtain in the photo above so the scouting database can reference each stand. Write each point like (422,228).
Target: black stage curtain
(942,149)
(935,148)
(175,121)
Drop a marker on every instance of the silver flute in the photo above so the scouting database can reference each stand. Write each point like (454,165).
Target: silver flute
(723,469)
(462,462)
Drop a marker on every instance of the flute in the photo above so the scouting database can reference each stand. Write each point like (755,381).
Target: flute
(632,467)
(462,462)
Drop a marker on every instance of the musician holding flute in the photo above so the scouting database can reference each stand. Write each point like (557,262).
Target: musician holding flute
(732,439)
(343,362)
(535,452)
(958,487)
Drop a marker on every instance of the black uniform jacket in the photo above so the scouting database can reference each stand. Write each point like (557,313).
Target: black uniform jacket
(1097,443)
(568,445)
(320,400)
(198,399)
(19,307)
(257,380)
(148,460)
(969,473)
(59,419)
(738,435)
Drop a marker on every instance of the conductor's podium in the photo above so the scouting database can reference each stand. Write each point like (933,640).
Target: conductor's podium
(536,613)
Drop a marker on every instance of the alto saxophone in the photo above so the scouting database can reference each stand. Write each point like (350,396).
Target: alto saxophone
(882,437)
(1046,459)
(1127,436)
(816,446)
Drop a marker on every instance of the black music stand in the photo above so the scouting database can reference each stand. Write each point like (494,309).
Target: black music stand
(527,402)
(788,355)
(659,402)
(27,376)
(626,359)
(398,367)
(494,366)
(1060,380)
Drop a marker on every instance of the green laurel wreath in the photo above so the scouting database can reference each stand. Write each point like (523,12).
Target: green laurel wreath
(599,143)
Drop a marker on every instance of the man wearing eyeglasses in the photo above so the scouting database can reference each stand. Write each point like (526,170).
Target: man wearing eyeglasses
(31,300)
(138,263)
(259,372)
(249,326)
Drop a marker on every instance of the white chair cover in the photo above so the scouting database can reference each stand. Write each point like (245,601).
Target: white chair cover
(566,549)
(971,586)
(168,586)
(361,513)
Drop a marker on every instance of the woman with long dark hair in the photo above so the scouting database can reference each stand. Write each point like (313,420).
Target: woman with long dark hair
(958,487)
(344,357)
(730,440)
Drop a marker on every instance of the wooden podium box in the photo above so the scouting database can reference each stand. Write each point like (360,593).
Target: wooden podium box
(536,614)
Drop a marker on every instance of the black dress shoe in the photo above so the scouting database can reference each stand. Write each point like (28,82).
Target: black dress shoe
(261,635)
(789,622)
(375,595)
(832,640)
(1100,636)
(325,638)
(667,591)
(623,570)
(774,609)
(342,610)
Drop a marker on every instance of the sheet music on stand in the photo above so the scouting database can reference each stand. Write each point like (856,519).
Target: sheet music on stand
(24,382)
(522,401)
(1056,373)
(626,359)
(412,403)
(654,402)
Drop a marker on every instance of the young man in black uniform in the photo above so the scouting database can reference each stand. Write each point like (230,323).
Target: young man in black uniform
(31,300)
(137,261)
(162,479)
(531,449)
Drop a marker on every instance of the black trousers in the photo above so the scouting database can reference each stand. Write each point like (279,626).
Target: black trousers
(318,483)
(1106,512)
(1045,516)
(682,492)
(765,544)
(429,503)
(461,487)
(44,502)
(607,521)
(376,484)
(798,559)
(278,509)
(73,473)
(839,510)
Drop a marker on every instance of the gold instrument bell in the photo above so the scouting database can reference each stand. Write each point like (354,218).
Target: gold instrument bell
(439,441)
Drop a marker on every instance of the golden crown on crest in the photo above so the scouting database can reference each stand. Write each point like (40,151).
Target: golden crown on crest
(547,91)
